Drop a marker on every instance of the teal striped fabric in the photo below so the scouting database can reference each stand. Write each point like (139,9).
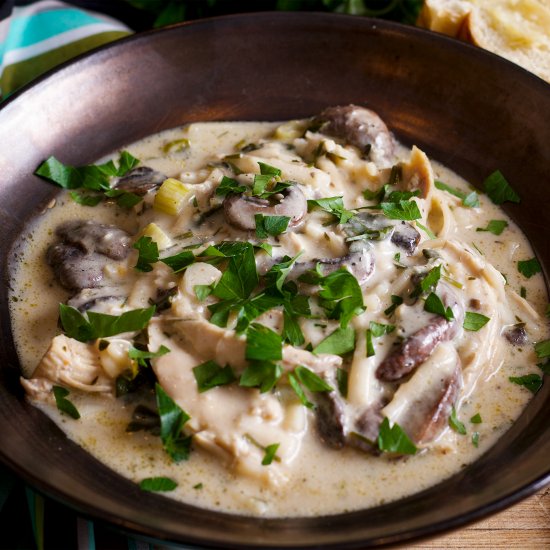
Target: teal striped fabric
(37,37)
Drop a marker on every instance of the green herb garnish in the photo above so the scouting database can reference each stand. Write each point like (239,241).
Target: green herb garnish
(210,375)
(474,321)
(532,382)
(148,253)
(528,268)
(157,484)
(270,225)
(334,206)
(434,304)
(498,189)
(468,199)
(496,227)
(456,424)
(100,325)
(63,404)
(270,454)
(339,342)
(172,420)
(394,440)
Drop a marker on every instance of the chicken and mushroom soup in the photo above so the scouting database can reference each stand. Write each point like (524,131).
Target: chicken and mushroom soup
(276,319)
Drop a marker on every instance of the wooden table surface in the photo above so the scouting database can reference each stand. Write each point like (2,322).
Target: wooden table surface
(525,526)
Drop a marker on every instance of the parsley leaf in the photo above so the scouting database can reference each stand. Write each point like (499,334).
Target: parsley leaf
(542,349)
(528,268)
(434,304)
(63,404)
(334,206)
(394,439)
(313,382)
(172,420)
(340,296)
(229,186)
(209,375)
(240,277)
(178,262)
(141,356)
(496,227)
(94,177)
(295,385)
(339,342)
(474,321)
(456,424)
(157,484)
(263,344)
(101,325)
(498,189)
(270,225)
(468,199)
(261,374)
(396,301)
(532,382)
(428,283)
(476,419)
(148,253)
(270,454)
(402,210)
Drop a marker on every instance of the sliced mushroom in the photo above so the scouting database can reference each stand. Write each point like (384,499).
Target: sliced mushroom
(240,210)
(86,247)
(101,300)
(330,417)
(139,180)
(422,405)
(379,227)
(517,335)
(417,347)
(90,236)
(360,127)
(359,261)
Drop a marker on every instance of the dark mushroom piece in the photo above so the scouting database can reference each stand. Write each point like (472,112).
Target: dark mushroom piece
(378,227)
(240,209)
(86,247)
(517,335)
(98,299)
(360,127)
(417,347)
(330,419)
(422,405)
(359,261)
(139,180)
(89,236)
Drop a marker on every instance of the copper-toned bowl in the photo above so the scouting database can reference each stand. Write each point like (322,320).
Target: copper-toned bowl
(467,108)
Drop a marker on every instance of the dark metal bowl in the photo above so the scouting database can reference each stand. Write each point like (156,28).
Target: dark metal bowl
(467,108)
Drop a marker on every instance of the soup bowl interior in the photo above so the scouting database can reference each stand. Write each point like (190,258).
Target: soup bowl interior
(466,108)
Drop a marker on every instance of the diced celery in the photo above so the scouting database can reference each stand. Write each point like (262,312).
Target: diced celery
(158,235)
(170,197)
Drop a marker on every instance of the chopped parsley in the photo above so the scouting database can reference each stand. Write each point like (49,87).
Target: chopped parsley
(434,304)
(209,375)
(63,404)
(456,424)
(401,210)
(498,189)
(100,325)
(92,180)
(496,227)
(339,342)
(532,382)
(394,440)
(263,344)
(469,200)
(157,484)
(172,420)
(528,268)
(148,253)
(334,206)
(270,225)
(474,321)
(261,374)
(270,454)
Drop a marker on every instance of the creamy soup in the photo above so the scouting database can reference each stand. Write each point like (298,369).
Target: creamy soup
(278,319)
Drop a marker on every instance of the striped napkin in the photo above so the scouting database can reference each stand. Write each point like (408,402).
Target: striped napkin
(37,36)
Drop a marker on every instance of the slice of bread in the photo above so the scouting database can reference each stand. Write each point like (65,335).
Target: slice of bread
(516,29)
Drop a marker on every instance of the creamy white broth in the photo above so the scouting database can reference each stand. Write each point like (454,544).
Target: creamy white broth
(309,484)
